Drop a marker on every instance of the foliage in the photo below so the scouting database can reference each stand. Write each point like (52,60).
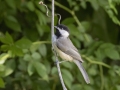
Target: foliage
(26,59)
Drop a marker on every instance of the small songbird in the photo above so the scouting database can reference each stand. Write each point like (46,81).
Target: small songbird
(66,50)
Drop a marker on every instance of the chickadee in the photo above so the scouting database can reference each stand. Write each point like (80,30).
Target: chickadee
(66,50)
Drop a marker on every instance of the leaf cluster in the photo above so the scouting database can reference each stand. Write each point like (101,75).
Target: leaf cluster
(26,59)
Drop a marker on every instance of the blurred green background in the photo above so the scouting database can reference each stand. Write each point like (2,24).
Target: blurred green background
(26,58)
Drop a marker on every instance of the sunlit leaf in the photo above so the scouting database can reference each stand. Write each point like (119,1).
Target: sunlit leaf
(10,66)
(3,57)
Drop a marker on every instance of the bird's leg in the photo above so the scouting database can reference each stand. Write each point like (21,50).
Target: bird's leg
(62,61)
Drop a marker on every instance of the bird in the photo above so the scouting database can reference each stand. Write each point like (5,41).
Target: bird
(65,49)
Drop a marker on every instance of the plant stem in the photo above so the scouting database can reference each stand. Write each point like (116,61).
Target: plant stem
(95,62)
(101,75)
(52,34)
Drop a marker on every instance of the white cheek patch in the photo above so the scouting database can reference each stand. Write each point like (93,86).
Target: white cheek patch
(63,32)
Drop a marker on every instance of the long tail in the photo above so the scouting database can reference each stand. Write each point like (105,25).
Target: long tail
(81,68)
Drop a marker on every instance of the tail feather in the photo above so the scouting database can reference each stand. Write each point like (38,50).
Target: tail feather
(81,68)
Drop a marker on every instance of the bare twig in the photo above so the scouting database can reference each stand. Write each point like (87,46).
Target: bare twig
(59,18)
(52,34)
(41,2)
(52,39)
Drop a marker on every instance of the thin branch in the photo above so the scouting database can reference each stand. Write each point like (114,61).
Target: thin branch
(102,78)
(52,34)
(41,2)
(52,39)
(95,61)
(59,18)
(74,16)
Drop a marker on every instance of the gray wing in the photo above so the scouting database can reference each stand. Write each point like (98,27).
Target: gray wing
(67,47)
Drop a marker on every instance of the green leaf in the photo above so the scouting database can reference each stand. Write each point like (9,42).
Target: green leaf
(39,29)
(10,66)
(86,25)
(36,45)
(12,23)
(68,20)
(16,51)
(118,87)
(94,4)
(67,77)
(107,45)
(27,57)
(112,53)
(36,56)
(7,39)
(23,43)
(83,4)
(2,84)
(3,57)
(30,6)
(30,68)
(86,87)
(92,70)
(5,47)
(41,70)
(67,65)
(54,71)
(11,3)
(43,50)
(76,87)
(41,17)
(2,69)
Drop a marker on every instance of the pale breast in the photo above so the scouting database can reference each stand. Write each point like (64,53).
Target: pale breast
(62,54)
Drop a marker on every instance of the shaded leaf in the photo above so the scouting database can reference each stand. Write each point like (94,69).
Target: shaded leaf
(77,87)
(27,57)
(67,21)
(41,70)
(36,55)
(30,6)
(23,43)
(7,39)
(30,68)
(12,23)
(112,53)
(43,50)
(16,51)
(67,77)
(11,3)
(2,84)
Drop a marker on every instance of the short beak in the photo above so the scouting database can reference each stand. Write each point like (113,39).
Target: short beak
(55,27)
